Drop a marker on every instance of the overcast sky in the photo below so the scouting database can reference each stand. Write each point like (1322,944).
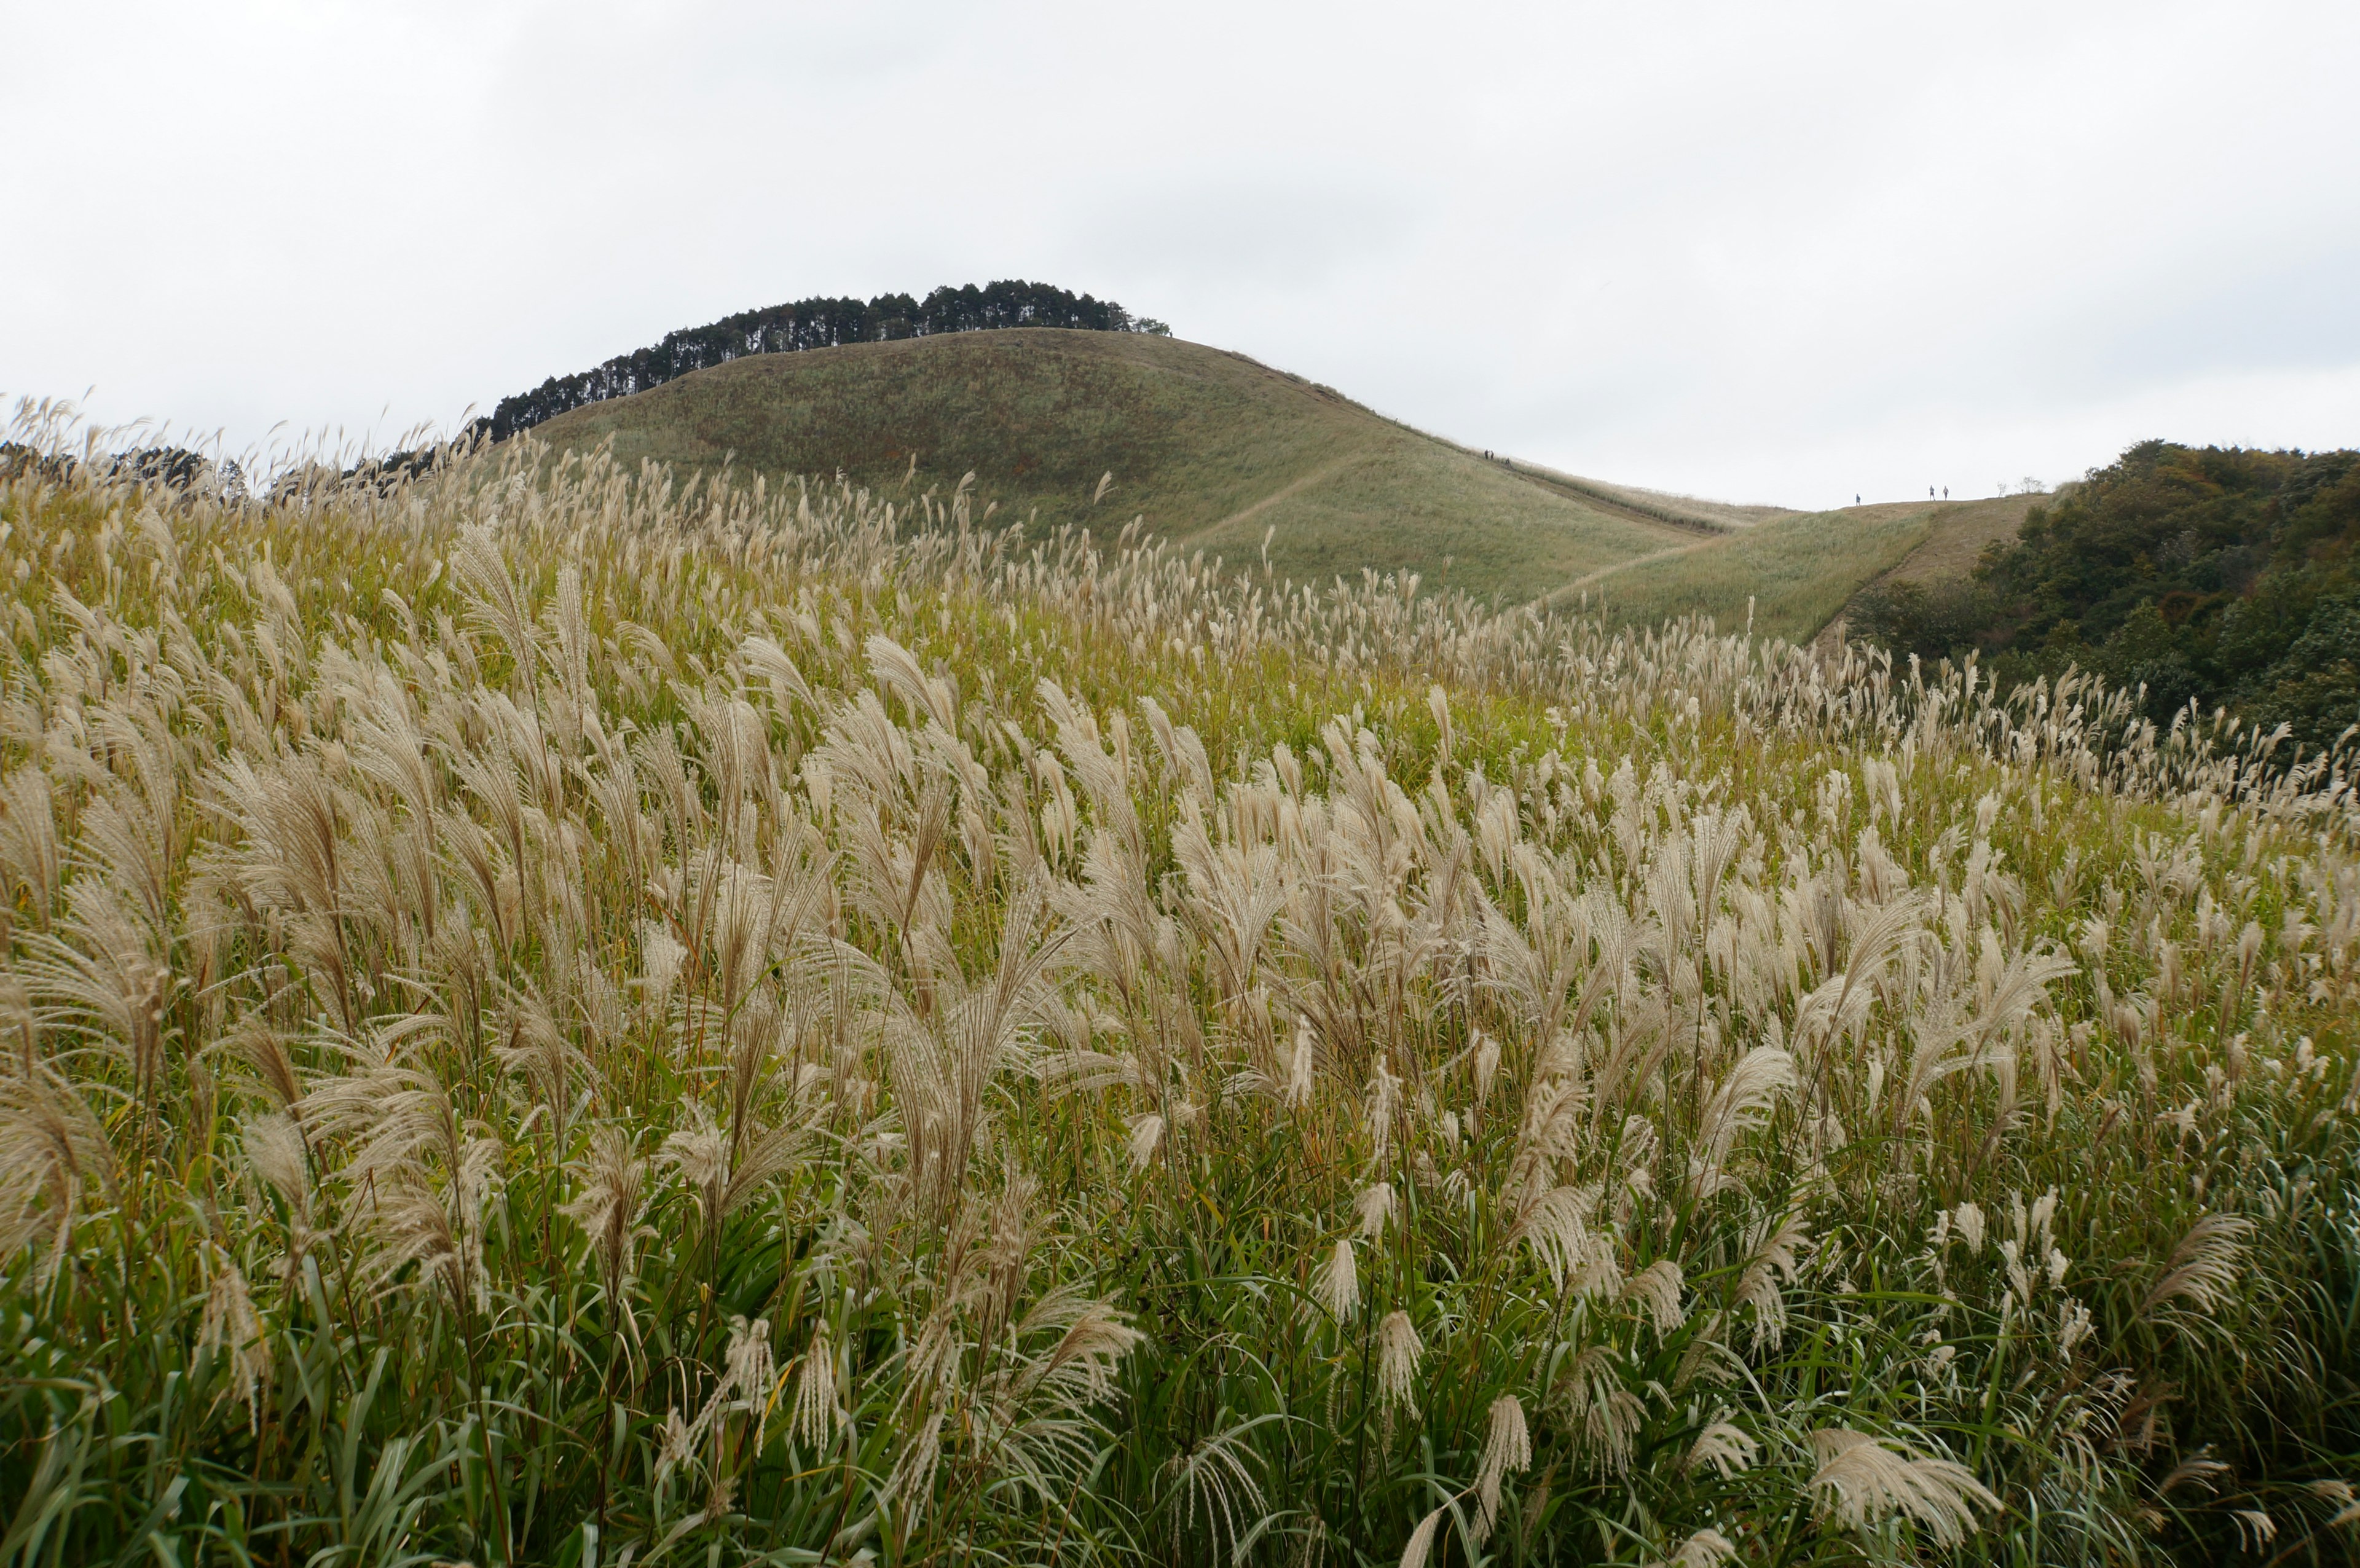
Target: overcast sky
(1762,253)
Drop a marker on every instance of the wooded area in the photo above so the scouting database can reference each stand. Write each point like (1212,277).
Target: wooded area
(815,323)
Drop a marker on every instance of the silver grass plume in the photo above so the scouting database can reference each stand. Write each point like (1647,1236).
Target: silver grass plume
(1421,1540)
(1752,1086)
(1376,1205)
(1657,1288)
(2202,1270)
(1605,1416)
(746,1373)
(612,1197)
(232,1325)
(1775,1257)
(51,1145)
(1399,1350)
(274,1150)
(1336,1284)
(1707,1548)
(1860,1483)
(815,1413)
(1728,1449)
(1507,1450)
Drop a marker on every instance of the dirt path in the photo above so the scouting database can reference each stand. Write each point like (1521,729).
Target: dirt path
(1578,583)
(1292,487)
(1962,532)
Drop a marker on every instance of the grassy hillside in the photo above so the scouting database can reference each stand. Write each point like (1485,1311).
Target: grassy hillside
(1798,569)
(1211,448)
(673,1029)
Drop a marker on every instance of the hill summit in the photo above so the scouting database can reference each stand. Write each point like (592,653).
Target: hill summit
(1211,449)
(816,323)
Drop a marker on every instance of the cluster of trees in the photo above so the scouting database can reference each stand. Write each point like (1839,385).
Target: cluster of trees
(815,323)
(170,467)
(2216,575)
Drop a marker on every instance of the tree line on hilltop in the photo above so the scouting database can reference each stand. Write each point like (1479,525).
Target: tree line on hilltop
(2216,575)
(814,323)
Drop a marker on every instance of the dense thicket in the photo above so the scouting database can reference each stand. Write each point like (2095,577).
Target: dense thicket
(816,323)
(2216,575)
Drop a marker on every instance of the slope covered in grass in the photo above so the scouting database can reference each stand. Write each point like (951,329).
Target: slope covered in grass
(552,1019)
(1798,570)
(1212,449)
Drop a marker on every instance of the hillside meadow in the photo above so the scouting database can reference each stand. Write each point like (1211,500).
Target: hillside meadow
(1066,429)
(556,1013)
(1791,574)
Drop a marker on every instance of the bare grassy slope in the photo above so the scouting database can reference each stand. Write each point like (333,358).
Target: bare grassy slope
(1953,544)
(1211,448)
(1802,569)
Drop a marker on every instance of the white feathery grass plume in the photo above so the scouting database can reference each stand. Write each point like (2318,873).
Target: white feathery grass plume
(2255,1528)
(1301,1066)
(676,1444)
(1421,1540)
(1777,1258)
(1376,1204)
(231,1324)
(1081,1368)
(260,1046)
(1727,1448)
(31,856)
(700,1152)
(2202,1270)
(51,1144)
(1657,1288)
(1602,1414)
(1970,1220)
(816,1411)
(1556,1226)
(273,1147)
(610,1205)
(788,687)
(1707,1548)
(1507,1450)
(1487,1066)
(1336,1284)
(2074,1326)
(1744,1097)
(1211,1480)
(1385,1101)
(748,1372)
(1860,1482)
(1399,1351)
(911,1483)
(2200,1471)
(896,669)
(661,960)
(1146,1139)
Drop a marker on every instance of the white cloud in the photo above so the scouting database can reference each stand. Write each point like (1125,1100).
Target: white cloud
(1775,253)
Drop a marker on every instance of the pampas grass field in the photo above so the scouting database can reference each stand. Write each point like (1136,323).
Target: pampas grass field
(559,1014)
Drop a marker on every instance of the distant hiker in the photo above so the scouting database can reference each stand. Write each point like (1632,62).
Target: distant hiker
(1855,498)
(1930,492)
(1946,492)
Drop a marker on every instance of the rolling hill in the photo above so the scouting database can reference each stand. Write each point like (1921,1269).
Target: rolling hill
(1799,570)
(1212,449)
